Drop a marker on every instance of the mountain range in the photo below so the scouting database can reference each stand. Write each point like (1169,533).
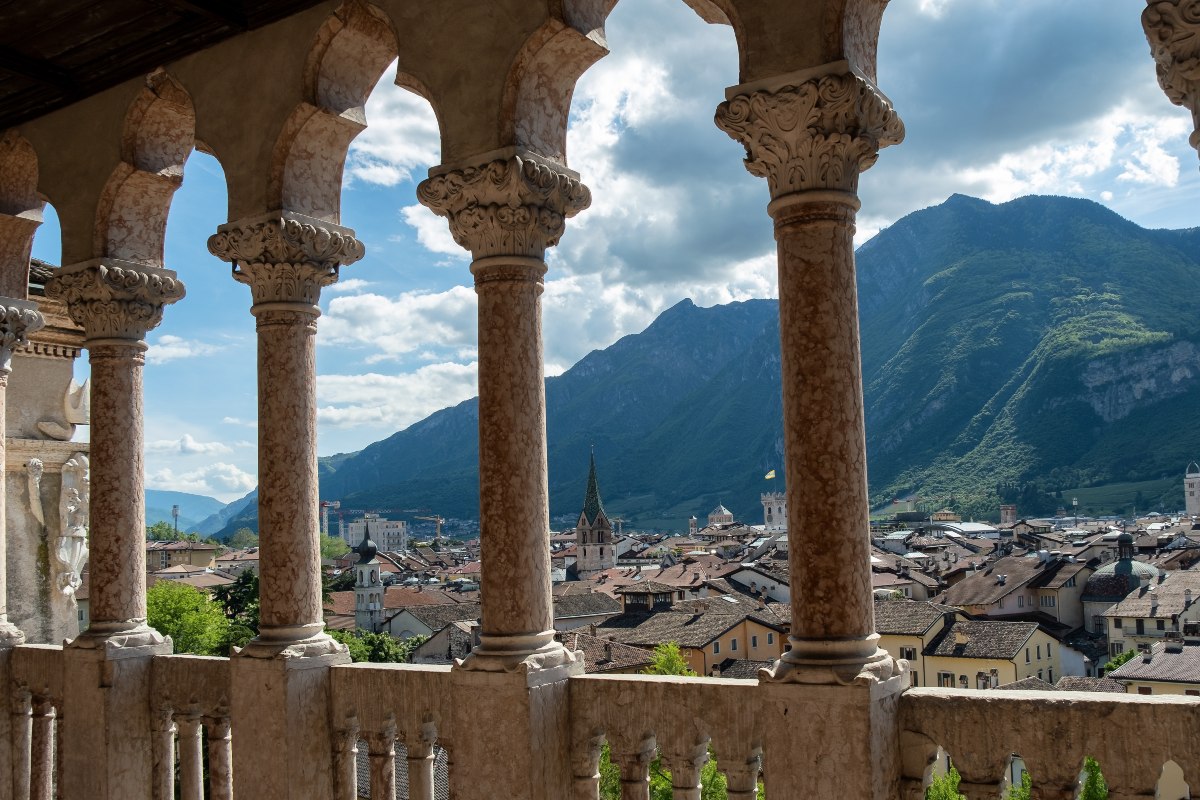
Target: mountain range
(1042,342)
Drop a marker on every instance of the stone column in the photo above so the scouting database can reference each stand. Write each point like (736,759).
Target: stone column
(107,668)
(1173,30)
(810,135)
(18,319)
(281,678)
(507,211)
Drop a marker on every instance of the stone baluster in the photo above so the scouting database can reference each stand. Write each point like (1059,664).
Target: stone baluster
(191,755)
(382,751)
(345,757)
(107,668)
(810,134)
(220,757)
(634,763)
(286,259)
(163,773)
(1173,30)
(21,714)
(41,771)
(18,319)
(507,211)
(585,765)
(741,776)
(420,757)
(684,764)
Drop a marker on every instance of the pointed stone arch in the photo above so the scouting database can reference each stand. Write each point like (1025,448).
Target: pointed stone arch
(158,136)
(352,50)
(20,212)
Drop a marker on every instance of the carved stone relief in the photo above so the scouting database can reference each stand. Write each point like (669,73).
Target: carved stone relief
(71,549)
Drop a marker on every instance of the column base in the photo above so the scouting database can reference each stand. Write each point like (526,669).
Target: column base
(525,654)
(839,662)
(282,643)
(122,640)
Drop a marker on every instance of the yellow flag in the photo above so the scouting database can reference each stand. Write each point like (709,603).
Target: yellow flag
(769,476)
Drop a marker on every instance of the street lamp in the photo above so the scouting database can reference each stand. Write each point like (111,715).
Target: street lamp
(1075,503)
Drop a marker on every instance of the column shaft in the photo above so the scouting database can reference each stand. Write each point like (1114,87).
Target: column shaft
(513,506)
(824,440)
(118,496)
(289,552)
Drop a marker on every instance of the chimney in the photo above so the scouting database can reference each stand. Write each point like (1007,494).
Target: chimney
(1187,598)
(961,638)
(592,629)
(607,650)
(1153,600)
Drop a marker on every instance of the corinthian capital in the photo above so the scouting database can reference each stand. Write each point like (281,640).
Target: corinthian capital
(18,319)
(115,299)
(818,133)
(1173,29)
(284,257)
(515,206)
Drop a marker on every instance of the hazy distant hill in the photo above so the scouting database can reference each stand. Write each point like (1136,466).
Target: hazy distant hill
(1045,339)
(192,508)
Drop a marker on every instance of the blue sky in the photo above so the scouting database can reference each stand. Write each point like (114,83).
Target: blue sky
(1000,98)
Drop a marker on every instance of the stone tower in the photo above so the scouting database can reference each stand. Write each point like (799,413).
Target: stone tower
(774,511)
(594,532)
(368,588)
(1191,489)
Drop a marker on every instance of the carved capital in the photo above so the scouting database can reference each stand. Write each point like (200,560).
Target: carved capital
(285,258)
(1173,29)
(515,206)
(18,319)
(815,134)
(115,299)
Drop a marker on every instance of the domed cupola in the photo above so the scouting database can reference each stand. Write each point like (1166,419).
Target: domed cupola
(366,549)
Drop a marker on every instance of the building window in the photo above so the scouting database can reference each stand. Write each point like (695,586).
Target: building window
(1117,622)
(1050,674)
(1048,600)
(1098,625)
(1039,652)
(1039,675)
(1021,601)
(1070,584)
(946,679)
(770,638)
(963,683)
(1162,624)
(908,653)
(1192,692)
(1002,602)
(1145,690)
(1116,648)
(1026,655)
(716,648)
(753,642)
(733,645)
(1141,626)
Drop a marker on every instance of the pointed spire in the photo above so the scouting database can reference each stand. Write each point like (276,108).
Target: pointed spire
(592,507)
(366,549)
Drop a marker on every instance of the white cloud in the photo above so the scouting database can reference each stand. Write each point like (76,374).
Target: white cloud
(401,137)
(412,322)
(220,480)
(244,423)
(433,232)
(173,348)
(933,8)
(392,401)
(348,286)
(188,446)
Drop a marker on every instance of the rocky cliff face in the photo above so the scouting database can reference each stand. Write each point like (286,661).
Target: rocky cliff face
(1117,386)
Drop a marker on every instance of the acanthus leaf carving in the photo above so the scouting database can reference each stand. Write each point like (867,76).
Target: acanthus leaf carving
(1173,30)
(18,319)
(115,300)
(817,134)
(515,206)
(285,258)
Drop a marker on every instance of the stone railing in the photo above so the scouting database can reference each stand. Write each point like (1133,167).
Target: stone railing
(386,709)
(680,720)
(35,692)
(1142,744)
(190,714)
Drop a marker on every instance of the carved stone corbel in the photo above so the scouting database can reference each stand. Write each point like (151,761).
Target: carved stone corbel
(18,319)
(1173,30)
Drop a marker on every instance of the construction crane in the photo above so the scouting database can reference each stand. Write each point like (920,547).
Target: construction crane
(438,520)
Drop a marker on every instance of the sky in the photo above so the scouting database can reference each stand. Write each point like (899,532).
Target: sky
(1000,98)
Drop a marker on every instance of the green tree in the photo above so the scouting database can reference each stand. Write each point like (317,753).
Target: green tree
(1022,792)
(668,660)
(945,787)
(243,538)
(239,602)
(161,532)
(195,622)
(378,648)
(1118,660)
(1094,786)
(333,547)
